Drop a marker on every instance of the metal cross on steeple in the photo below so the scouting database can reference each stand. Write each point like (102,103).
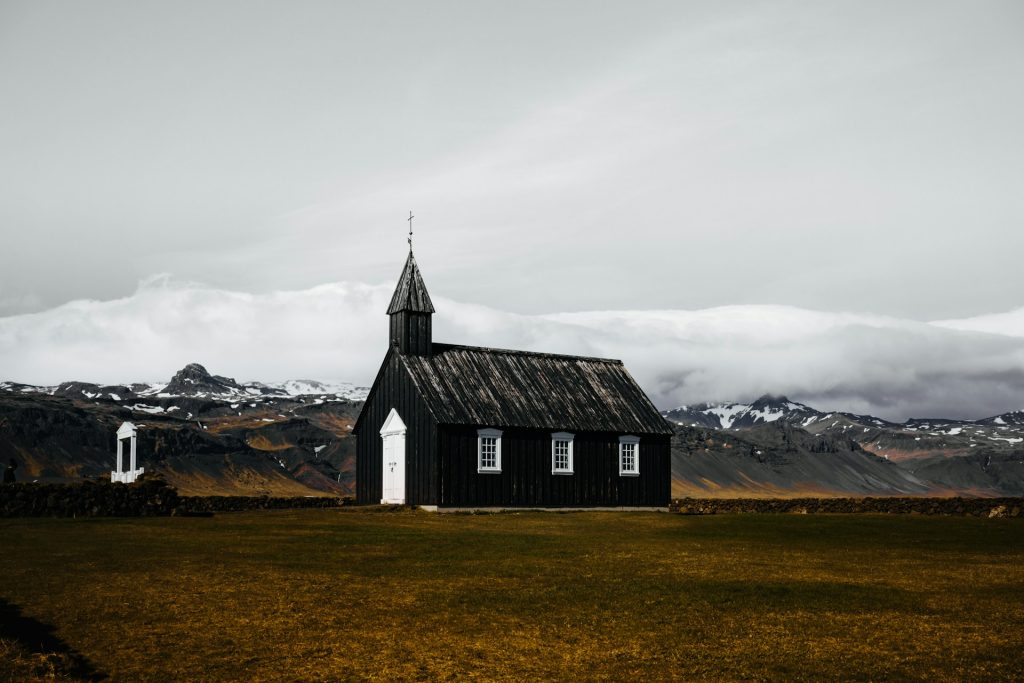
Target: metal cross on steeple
(410,230)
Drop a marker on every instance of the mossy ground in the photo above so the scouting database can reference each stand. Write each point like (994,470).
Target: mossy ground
(341,594)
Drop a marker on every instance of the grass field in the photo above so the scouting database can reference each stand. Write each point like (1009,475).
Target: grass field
(335,594)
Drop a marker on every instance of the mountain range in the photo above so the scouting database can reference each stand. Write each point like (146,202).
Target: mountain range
(209,434)
(915,438)
(775,446)
(204,433)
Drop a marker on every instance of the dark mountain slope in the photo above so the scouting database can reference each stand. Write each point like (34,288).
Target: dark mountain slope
(210,434)
(272,443)
(991,473)
(980,457)
(779,460)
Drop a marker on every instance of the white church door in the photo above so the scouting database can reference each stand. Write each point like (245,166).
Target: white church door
(392,435)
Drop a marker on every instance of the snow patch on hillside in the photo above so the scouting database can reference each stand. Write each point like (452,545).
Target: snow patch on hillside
(306,387)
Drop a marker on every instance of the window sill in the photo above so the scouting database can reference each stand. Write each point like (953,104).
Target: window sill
(629,474)
(489,470)
(562,472)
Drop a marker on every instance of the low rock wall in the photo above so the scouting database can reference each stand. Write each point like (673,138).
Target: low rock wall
(966,507)
(87,499)
(148,498)
(144,498)
(200,504)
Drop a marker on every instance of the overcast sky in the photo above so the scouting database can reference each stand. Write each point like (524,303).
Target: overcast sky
(841,157)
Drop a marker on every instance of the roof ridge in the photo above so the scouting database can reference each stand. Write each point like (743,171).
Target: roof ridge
(518,352)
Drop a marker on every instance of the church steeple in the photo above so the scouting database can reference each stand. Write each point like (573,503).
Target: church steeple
(410,312)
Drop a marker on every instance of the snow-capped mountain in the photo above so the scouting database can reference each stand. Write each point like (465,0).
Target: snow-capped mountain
(1016,419)
(193,388)
(203,433)
(195,380)
(914,438)
(782,446)
(309,387)
(739,415)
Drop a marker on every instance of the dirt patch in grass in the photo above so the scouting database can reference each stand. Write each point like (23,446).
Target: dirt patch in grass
(341,594)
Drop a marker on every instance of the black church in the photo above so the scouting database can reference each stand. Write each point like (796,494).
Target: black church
(447,426)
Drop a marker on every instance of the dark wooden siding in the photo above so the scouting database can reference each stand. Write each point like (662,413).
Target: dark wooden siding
(526,478)
(411,331)
(394,389)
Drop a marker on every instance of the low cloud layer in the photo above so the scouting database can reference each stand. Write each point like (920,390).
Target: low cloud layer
(871,364)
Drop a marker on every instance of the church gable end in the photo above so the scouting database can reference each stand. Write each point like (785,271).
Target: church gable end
(393,390)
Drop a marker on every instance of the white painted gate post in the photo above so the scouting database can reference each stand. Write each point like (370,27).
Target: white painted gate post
(134,465)
(127,464)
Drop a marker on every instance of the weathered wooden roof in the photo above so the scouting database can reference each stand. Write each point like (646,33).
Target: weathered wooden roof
(411,293)
(469,385)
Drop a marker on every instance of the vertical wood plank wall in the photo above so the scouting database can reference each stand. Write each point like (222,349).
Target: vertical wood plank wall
(395,390)
(412,331)
(526,478)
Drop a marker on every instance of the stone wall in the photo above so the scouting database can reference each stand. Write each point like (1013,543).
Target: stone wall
(147,498)
(972,507)
(87,499)
(144,498)
(200,504)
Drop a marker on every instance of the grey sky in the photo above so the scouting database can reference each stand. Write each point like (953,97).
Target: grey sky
(560,156)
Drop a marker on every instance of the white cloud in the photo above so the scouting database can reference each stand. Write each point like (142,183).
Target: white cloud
(318,332)
(1010,323)
(865,363)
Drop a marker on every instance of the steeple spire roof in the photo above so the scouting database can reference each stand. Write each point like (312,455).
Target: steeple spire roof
(411,293)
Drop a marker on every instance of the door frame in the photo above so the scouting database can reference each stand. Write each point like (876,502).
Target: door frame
(393,465)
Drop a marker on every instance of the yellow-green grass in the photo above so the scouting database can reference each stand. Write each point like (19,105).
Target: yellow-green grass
(336,594)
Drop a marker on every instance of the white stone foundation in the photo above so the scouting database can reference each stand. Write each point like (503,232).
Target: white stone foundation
(127,477)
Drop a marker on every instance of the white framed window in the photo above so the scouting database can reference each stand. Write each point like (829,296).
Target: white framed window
(488,450)
(629,456)
(561,453)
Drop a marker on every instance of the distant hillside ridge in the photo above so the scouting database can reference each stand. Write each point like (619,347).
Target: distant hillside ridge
(205,434)
(208,434)
(192,387)
(914,437)
(782,446)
